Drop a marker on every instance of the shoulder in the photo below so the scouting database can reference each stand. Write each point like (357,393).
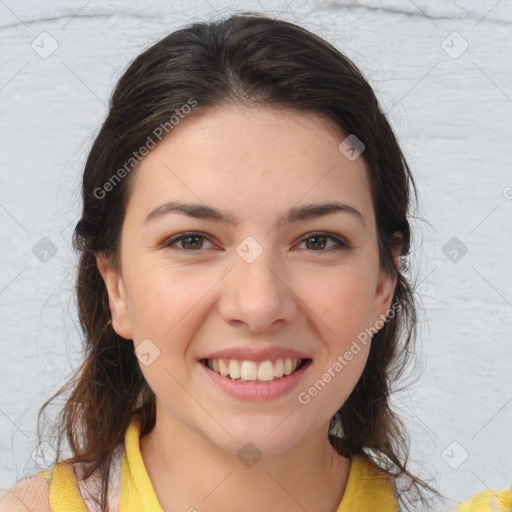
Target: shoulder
(368,488)
(368,470)
(30,495)
(487,500)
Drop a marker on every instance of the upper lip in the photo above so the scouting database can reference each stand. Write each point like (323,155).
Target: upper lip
(256,355)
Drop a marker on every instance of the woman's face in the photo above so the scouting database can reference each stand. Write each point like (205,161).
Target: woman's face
(256,282)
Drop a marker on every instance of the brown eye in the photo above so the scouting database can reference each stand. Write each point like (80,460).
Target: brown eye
(189,242)
(320,240)
(193,242)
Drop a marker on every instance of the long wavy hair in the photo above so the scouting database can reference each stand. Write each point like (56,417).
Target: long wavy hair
(247,59)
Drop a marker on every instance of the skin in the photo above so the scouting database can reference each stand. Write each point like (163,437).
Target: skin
(256,163)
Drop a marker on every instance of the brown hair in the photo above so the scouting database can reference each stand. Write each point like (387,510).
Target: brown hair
(248,59)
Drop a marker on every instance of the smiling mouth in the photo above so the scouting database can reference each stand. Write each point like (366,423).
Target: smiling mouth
(264,372)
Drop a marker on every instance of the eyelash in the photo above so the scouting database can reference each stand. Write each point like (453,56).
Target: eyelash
(169,242)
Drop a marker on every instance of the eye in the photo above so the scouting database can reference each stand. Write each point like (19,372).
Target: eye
(320,242)
(190,242)
(193,242)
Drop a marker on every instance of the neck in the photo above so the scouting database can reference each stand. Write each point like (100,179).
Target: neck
(188,472)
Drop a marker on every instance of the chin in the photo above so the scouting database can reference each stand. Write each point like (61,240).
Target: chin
(253,438)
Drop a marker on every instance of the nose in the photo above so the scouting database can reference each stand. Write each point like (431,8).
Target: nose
(258,294)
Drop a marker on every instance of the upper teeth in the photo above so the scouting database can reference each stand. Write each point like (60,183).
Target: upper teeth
(251,371)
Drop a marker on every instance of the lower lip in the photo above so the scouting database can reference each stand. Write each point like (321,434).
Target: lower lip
(254,391)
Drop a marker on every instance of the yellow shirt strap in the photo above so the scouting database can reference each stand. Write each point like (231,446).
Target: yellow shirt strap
(64,494)
(137,491)
(488,501)
(368,489)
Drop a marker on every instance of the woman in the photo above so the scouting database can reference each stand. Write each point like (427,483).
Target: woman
(245,209)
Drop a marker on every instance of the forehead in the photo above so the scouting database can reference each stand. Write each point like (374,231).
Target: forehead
(251,160)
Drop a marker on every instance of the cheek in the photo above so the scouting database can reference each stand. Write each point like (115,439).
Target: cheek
(341,300)
(162,299)
(164,306)
(342,304)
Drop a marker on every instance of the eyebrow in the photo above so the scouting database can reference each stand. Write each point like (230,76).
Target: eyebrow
(295,214)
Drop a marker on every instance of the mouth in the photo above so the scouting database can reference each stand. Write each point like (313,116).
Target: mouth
(264,372)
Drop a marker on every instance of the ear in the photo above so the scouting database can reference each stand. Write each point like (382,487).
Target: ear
(384,293)
(116,297)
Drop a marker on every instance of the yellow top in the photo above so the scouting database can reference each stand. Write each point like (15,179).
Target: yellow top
(488,501)
(368,488)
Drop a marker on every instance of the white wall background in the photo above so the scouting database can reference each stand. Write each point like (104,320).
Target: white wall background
(451,107)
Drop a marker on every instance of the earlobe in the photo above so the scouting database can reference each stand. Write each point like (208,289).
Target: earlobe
(396,259)
(116,296)
(384,296)
(384,293)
